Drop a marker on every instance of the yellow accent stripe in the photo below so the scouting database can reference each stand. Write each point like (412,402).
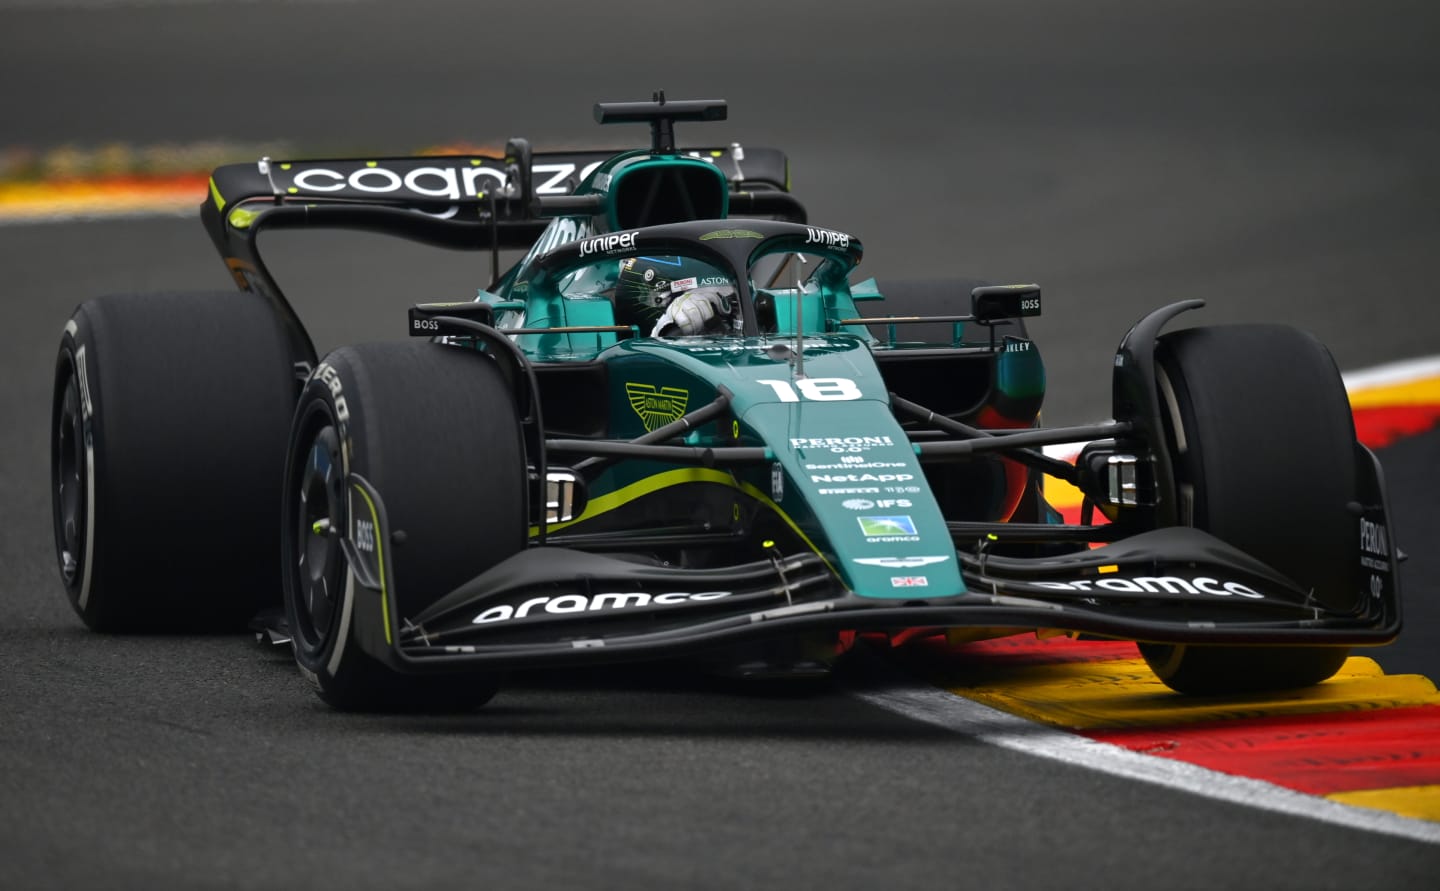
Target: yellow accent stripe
(215,194)
(608,502)
(780,512)
(380,556)
(1126,693)
(679,477)
(240,218)
(1422,802)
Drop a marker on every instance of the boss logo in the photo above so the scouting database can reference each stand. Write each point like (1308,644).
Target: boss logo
(365,536)
(425,325)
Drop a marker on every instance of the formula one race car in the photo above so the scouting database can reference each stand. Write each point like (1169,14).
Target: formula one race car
(678,428)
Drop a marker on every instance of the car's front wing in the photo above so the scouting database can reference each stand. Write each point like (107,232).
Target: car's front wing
(550,605)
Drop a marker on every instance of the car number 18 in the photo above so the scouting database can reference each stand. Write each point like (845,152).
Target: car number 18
(817,389)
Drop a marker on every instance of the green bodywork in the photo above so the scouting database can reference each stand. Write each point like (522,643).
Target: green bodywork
(845,478)
(819,494)
(844,481)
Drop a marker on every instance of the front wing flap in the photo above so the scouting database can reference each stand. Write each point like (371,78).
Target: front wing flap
(555,606)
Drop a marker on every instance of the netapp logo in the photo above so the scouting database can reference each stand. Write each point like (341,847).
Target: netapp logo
(1165,584)
(578,603)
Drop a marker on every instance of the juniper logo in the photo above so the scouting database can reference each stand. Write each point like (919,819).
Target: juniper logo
(612,242)
(656,406)
(827,237)
(886,527)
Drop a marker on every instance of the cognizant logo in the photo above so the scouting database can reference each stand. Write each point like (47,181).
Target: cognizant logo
(431,182)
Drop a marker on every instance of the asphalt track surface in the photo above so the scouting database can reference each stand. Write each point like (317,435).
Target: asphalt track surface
(1276,159)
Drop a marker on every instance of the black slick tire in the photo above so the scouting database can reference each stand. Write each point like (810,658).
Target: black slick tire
(434,429)
(1264,446)
(168,431)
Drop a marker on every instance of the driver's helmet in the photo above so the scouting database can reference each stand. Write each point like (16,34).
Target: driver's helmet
(646,286)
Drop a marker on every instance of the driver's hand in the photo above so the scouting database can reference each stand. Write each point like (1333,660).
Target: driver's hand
(692,312)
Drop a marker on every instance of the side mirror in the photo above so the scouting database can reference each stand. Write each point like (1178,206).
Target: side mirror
(994,302)
(518,176)
(866,290)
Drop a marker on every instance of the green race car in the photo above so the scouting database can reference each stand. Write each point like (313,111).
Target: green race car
(681,426)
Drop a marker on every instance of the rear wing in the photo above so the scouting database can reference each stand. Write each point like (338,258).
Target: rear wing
(476,202)
(463,202)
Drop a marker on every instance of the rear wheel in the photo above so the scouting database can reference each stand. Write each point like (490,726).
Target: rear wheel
(169,421)
(1263,442)
(434,430)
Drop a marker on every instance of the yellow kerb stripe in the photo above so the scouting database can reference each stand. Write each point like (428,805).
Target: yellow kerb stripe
(1422,392)
(1126,693)
(1422,802)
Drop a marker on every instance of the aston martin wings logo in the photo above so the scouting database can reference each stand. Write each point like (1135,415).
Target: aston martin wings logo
(899,562)
(656,406)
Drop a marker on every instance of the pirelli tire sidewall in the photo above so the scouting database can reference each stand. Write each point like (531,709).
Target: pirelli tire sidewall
(433,429)
(169,423)
(1263,442)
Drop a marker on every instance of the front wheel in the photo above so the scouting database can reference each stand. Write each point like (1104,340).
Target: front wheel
(434,430)
(1263,443)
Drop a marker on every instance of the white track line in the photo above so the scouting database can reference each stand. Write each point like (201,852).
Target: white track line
(982,722)
(952,712)
(1405,371)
